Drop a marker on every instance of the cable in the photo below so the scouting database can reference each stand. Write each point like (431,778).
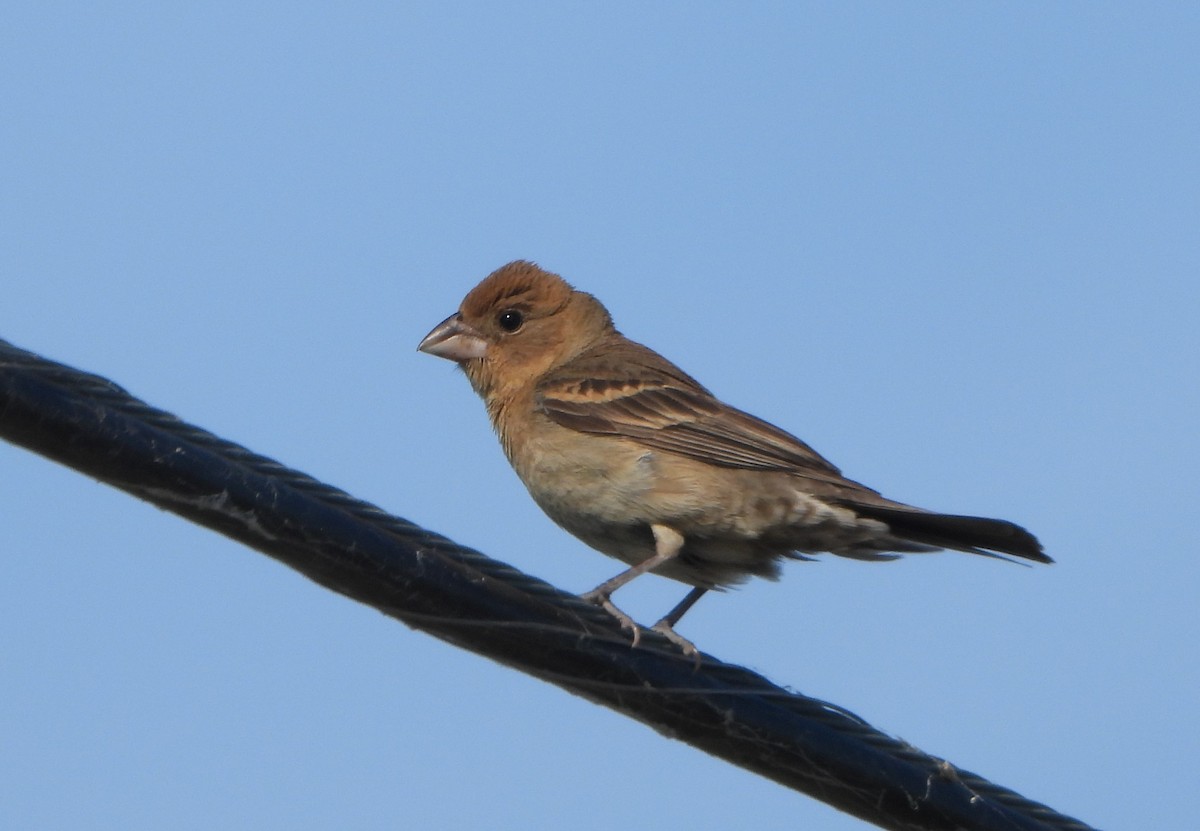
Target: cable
(468,599)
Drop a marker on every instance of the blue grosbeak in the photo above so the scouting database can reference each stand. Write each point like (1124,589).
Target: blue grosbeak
(635,458)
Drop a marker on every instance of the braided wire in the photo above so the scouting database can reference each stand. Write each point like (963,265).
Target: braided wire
(759,717)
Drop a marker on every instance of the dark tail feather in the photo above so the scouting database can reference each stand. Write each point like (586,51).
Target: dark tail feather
(973,534)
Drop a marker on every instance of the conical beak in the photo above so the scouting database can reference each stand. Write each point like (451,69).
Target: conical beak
(454,340)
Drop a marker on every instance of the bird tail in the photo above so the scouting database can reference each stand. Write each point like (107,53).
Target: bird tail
(973,534)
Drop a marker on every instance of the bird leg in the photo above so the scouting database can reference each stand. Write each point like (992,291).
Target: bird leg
(666,626)
(667,544)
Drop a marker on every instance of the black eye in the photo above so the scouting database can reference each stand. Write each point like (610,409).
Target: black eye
(510,320)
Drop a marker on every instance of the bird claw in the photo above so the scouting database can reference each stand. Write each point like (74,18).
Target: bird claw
(601,599)
(689,650)
(663,627)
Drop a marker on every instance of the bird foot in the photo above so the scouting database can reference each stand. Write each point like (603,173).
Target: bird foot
(663,627)
(689,650)
(602,599)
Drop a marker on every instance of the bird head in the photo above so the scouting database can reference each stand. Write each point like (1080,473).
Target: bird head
(515,326)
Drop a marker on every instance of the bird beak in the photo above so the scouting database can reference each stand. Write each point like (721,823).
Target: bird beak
(454,340)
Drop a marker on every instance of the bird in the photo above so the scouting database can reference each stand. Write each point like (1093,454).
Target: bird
(634,457)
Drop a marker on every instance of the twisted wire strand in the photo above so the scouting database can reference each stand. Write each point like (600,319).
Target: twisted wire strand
(462,596)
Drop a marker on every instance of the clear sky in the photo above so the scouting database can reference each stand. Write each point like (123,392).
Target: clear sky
(955,247)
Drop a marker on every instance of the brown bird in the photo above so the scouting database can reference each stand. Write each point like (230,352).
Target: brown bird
(634,457)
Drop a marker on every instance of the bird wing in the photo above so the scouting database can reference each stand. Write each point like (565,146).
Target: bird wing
(624,389)
(621,388)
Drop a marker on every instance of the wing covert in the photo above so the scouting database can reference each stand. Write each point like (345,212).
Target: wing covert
(624,389)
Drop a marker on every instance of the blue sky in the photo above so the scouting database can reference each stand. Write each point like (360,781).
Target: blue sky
(953,246)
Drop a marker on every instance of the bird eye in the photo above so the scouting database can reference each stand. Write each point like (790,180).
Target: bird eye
(510,320)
